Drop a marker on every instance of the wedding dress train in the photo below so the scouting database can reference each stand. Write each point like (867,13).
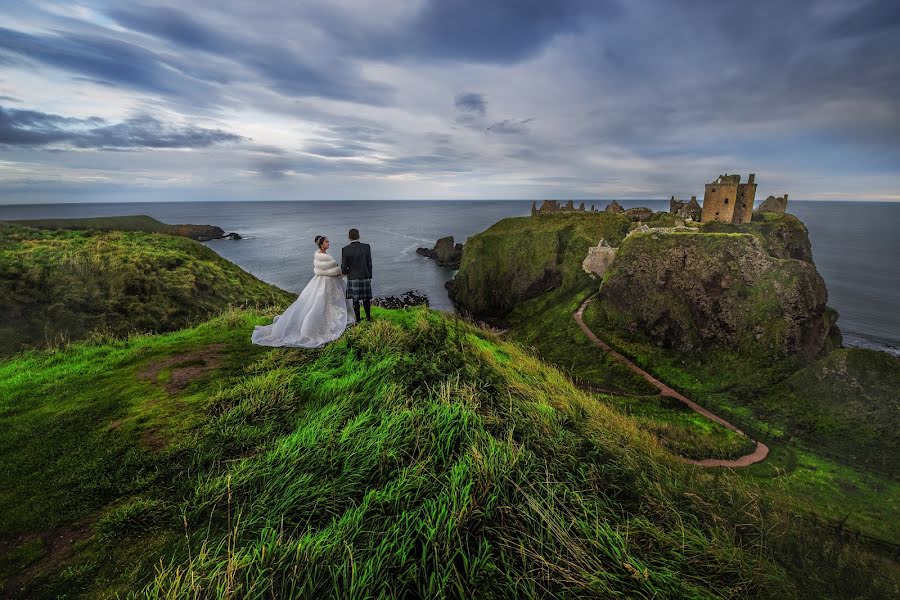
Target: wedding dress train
(319,315)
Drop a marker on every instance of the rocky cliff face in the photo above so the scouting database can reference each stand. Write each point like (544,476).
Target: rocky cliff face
(689,291)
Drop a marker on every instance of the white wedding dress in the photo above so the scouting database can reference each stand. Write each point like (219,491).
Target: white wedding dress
(319,315)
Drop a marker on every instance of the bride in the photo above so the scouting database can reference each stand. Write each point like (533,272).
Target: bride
(319,315)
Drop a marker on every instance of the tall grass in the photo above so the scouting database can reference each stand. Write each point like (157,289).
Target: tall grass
(418,456)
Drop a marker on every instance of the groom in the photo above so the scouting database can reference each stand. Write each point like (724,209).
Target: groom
(356,264)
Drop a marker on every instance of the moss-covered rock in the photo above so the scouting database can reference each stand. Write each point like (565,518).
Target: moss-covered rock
(521,258)
(61,285)
(689,291)
(783,236)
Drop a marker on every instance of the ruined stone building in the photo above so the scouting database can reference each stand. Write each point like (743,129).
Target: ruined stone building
(728,200)
(686,210)
(773,204)
(552,206)
(614,207)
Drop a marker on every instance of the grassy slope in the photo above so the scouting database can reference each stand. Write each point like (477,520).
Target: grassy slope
(63,285)
(733,385)
(844,405)
(416,456)
(507,251)
(501,262)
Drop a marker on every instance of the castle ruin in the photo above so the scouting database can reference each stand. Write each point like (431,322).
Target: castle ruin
(773,204)
(552,206)
(727,200)
(686,209)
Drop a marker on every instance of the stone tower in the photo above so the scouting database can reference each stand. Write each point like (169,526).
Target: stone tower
(720,198)
(746,195)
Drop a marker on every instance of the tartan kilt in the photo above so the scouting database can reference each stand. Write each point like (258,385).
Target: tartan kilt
(359,289)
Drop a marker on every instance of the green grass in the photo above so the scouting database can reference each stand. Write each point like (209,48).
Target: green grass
(680,429)
(863,501)
(57,286)
(417,456)
(844,405)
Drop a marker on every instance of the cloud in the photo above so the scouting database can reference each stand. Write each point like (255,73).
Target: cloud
(281,65)
(351,96)
(509,126)
(483,31)
(28,128)
(106,59)
(471,102)
(338,151)
(872,17)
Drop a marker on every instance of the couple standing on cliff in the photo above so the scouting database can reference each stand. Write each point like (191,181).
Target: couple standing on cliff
(322,311)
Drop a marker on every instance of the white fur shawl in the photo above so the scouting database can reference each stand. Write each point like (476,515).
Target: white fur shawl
(323,264)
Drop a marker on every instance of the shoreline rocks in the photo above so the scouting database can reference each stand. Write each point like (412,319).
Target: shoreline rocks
(202,233)
(405,300)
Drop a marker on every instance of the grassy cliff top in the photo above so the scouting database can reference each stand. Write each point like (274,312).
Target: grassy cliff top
(520,258)
(416,456)
(123,223)
(62,285)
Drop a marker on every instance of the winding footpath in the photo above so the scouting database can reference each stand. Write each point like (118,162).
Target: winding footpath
(760,451)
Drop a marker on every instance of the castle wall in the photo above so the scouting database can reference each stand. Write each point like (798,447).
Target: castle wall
(743,208)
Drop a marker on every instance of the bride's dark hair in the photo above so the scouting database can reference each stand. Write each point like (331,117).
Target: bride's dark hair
(319,240)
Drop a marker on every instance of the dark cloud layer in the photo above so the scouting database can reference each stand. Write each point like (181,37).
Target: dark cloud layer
(471,102)
(534,93)
(282,66)
(28,128)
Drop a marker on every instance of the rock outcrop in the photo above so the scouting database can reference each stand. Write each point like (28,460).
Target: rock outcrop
(404,300)
(200,233)
(693,291)
(445,252)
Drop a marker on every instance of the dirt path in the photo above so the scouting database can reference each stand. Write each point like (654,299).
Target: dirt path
(760,451)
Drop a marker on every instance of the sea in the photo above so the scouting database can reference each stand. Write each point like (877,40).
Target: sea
(856,245)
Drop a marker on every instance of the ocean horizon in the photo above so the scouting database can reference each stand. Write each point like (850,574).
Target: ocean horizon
(853,243)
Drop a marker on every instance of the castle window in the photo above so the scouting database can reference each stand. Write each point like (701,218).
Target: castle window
(726,200)
(712,189)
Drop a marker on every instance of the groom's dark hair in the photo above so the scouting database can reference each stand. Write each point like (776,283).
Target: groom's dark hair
(354,234)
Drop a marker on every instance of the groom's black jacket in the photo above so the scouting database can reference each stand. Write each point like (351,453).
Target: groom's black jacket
(356,261)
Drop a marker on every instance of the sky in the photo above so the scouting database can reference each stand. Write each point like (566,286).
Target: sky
(446,99)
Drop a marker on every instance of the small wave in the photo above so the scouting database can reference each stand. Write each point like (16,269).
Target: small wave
(856,341)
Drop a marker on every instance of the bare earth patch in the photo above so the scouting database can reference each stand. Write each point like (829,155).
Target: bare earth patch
(58,545)
(185,367)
